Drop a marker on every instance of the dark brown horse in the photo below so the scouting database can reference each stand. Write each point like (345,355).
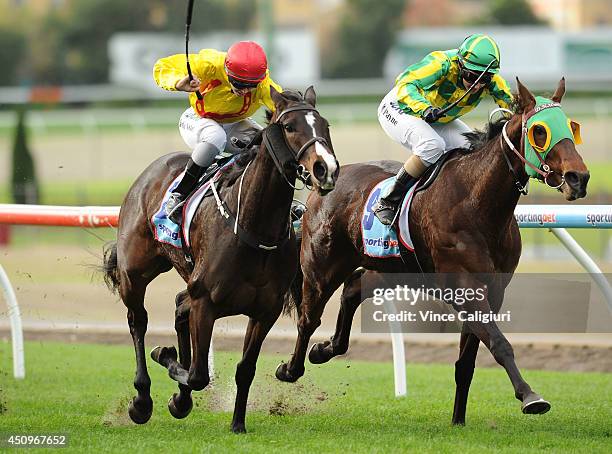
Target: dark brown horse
(476,192)
(247,272)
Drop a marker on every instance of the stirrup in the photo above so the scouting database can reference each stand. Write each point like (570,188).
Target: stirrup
(175,212)
(385,212)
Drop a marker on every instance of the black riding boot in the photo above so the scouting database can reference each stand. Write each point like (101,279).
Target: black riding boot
(386,208)
(174,205)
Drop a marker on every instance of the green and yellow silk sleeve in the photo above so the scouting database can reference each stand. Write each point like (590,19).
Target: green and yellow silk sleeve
(419,77)
(500,91)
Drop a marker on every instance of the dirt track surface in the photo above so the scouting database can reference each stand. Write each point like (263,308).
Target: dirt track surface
(553,356)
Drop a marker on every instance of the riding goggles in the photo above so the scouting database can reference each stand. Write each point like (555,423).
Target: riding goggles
(472,76)
(240,85)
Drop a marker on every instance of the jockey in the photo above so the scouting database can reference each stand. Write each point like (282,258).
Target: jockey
(411,112)
(233,86)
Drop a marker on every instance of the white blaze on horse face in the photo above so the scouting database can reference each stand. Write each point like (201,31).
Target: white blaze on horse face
(329,158)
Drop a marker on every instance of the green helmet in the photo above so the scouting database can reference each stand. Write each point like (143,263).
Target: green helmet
(478,51)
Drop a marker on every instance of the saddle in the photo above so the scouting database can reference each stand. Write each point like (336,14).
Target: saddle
(239,141)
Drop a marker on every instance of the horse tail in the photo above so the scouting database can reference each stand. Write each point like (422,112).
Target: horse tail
(109,267)
(293,298)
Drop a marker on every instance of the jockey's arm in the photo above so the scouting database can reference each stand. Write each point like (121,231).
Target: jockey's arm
(266,97)
(170,72)
(500,91)
(420,77)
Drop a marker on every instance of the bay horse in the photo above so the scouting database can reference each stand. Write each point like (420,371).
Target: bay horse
(240,267)
(463,223)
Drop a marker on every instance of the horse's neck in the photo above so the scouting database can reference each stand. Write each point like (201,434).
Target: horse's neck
(494,190)
(265,198)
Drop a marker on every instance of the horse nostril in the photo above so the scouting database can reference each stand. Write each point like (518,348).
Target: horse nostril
(319,169)
(572,179)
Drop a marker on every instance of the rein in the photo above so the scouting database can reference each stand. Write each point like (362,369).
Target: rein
(546,172)
(285,159)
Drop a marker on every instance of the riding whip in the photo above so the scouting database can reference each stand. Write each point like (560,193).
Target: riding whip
(187,27)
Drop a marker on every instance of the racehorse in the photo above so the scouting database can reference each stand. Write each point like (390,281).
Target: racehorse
(242,263)
(463,223)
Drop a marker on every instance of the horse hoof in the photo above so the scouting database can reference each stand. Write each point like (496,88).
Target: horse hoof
(140,410)
(535,405)
(180,411)
(283,374)
(318,353)
(239,428)
(161,355)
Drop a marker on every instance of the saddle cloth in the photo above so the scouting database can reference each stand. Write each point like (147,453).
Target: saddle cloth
(168,232)
(382,241)
(379,240)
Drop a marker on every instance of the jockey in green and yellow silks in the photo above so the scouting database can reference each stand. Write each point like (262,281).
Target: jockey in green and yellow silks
(411,113)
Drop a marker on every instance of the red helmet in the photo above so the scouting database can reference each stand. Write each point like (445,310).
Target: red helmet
(246,61)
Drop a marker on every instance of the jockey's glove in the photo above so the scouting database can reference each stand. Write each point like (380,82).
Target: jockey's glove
(431,114)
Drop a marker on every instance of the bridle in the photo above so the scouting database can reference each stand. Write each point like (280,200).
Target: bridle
(546,171)
(287,159)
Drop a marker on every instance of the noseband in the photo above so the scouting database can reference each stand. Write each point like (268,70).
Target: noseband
(547,171)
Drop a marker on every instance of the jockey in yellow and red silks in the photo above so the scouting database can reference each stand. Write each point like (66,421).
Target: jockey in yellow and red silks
(233,86)
(411,112)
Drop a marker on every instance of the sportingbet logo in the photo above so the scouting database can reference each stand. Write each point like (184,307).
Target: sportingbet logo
(380,242)
(541,219)
(165,230)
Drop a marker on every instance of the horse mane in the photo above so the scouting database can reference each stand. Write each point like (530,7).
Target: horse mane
(250,151)
(479,138)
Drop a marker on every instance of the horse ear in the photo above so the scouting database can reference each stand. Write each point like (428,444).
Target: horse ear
(560,91)
(310,96)
(525,98)
(279,100)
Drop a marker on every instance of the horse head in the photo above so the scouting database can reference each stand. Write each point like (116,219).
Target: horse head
(306,134)
(548,143)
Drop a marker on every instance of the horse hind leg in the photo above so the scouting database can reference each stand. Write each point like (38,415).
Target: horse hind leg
(132,291)
(350,300)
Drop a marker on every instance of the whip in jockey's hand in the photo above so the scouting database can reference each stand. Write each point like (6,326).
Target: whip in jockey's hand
(422,110)
(227,88)
(187,85)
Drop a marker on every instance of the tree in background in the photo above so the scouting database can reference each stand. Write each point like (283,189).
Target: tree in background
(75,39)
(365,35)
(12,53)
(512,12)
(24,183)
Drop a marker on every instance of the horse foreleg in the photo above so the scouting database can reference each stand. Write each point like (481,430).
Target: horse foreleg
(350,300)
(202,318)
(464,371)
(245,370)
(180,404)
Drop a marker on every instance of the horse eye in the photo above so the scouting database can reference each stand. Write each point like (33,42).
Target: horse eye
(288,127)
(539,130)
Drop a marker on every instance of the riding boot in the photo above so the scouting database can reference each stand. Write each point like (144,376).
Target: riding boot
(386,208)
(174,205)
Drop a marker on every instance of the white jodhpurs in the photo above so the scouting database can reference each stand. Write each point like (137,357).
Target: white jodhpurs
(195,129)
(428,141)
